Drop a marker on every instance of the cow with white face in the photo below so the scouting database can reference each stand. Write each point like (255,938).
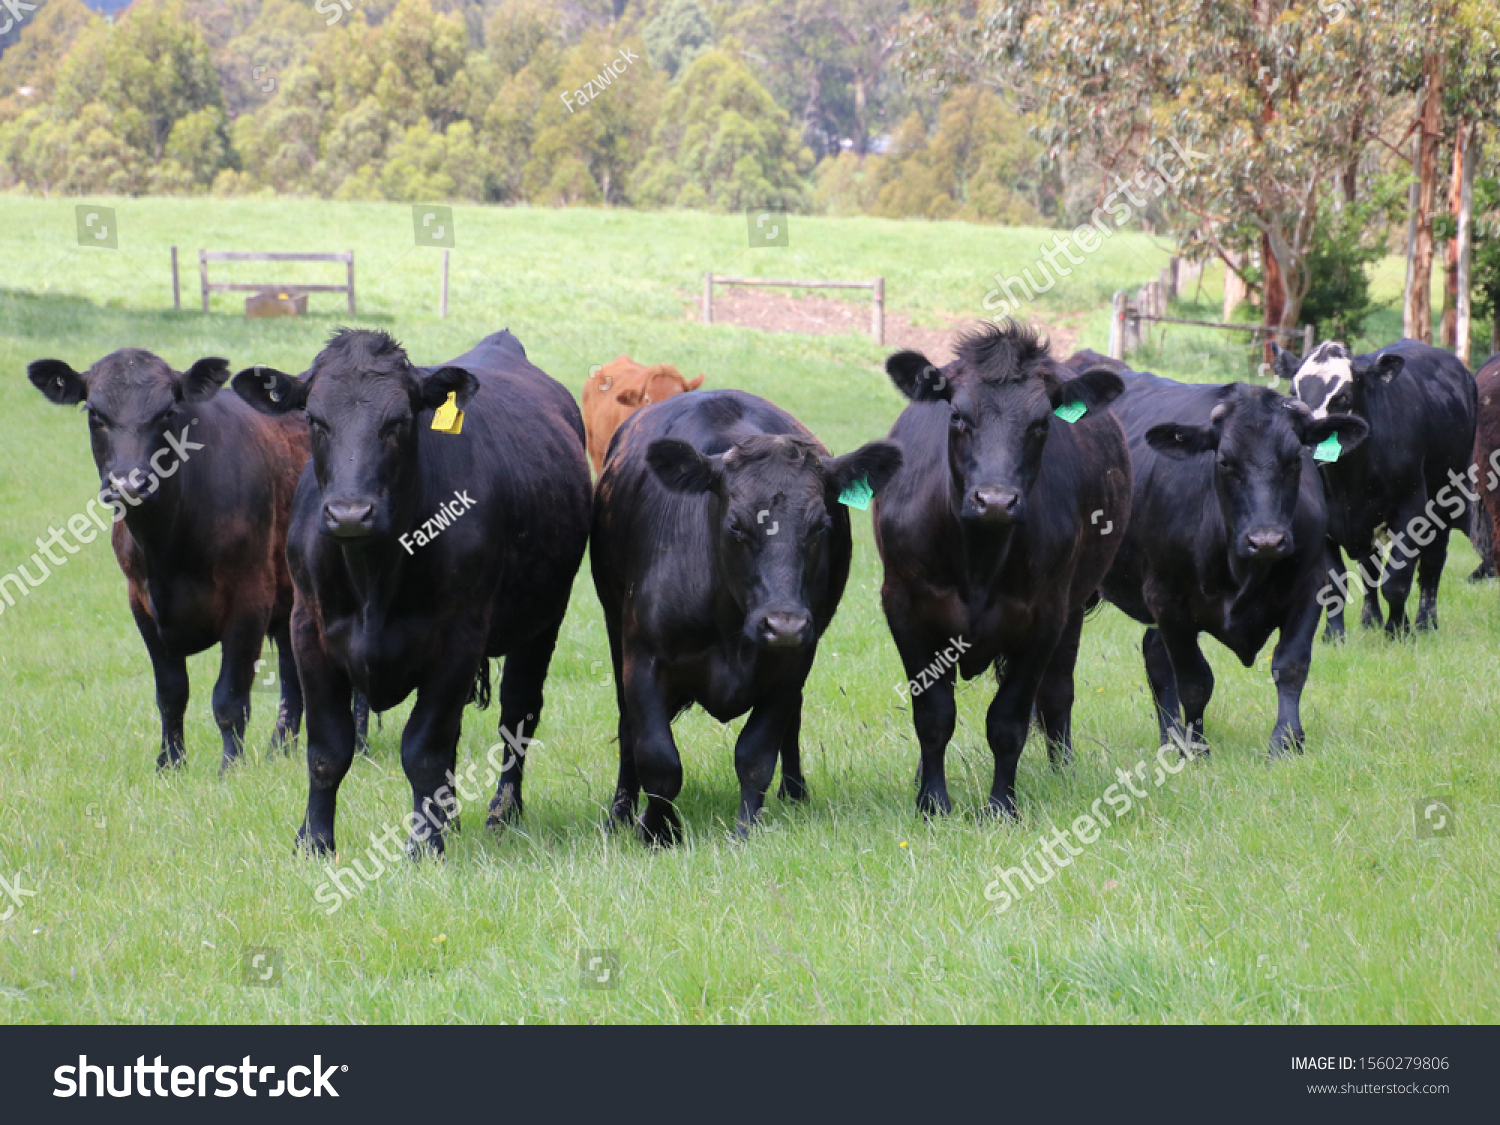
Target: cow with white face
(1409,479)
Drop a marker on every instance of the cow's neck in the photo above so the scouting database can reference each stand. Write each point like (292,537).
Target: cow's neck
(156,526)
(985,550)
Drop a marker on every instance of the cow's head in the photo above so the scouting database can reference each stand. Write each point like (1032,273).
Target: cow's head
(1332,380)
(1002,389)
(772,504)
(1257,438)
(660,382)
(135,401)
(362,398)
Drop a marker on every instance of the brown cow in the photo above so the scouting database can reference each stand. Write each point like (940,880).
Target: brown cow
(620,388)
(1486,460)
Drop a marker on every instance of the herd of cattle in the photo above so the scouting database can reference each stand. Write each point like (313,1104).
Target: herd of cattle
(392,527)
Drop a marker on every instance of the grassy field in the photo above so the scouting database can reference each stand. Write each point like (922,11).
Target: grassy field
(1236,892)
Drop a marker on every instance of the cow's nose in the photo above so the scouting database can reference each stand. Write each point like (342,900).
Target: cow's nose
(1267,542)
(782,630)
(993,503)
(349,519)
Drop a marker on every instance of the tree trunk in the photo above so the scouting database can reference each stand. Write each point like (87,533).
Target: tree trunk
(861,132)
(1273,294)
(1419,296)
(1463,327)
(1449,323)
(1408,325)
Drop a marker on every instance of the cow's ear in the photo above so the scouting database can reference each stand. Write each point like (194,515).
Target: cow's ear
(633,397)
(270,391)
(434,387)
(1178,442)
(202,381)
(917,378)
(693,384)
(1382,369)
(1284,363)
(681,468)
(59,382)
(875,463)
(1350,428)
(1096,388)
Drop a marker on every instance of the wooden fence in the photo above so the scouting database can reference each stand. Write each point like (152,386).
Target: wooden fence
(206,256)
(876,287)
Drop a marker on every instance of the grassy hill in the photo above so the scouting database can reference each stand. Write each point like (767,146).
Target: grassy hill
(1235,893)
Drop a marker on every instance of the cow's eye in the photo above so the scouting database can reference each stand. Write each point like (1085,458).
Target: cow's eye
(1228,467)
(317,425)
(97,419)
(393,429)
(959,424)
(738,529)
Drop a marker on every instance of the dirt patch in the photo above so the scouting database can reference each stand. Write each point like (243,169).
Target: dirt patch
(770,310)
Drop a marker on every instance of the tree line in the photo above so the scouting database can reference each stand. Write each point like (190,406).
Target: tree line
(1337,130)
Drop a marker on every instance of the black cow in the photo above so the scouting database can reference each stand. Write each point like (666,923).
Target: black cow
(417,555)
(995,534)
(200,486)
(1420,403)
(720,551)
(1226,537)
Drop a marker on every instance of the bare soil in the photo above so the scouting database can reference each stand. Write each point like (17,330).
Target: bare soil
(771,310)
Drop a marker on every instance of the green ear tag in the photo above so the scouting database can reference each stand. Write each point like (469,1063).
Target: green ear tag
(1328,449)
(858,494)
(1071,412)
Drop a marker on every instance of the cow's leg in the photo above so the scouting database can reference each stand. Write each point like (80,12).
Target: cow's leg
(171,677)
(429,747)
(1195,682)
(756,750)
(793,784)
(1054,698)
(240,648)
(361,724)
(1430,562)
(1333,562)
(520,713)
(1009,718)
(622,808)
(1163,687)
(289,711)
(933,713)
(1289,667)
(1371,560)
(657,763)
(328,696)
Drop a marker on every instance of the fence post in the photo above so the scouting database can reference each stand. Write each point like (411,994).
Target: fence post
(443,298)
(203,277)
(176,288)
(351,283)
(877,311)
(708,297)
(1117,327)
(1309,337)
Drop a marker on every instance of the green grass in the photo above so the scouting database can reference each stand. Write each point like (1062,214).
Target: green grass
(1237,893)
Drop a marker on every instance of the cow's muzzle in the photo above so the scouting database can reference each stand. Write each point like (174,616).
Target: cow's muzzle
(1266,543)
(783,629)
(349,519)
(997,505)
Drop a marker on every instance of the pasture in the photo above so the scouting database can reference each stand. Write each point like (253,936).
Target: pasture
(1236,891)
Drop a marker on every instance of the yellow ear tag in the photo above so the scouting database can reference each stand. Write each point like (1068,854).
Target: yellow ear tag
(448,418)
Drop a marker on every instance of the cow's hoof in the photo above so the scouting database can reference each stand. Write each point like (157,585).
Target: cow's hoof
(1001,808)
(1334,636)
(505,809)
(165,761)
(664,834)
(430,848)
(792,789)
(934,802)
(1482,571)
(310,845)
